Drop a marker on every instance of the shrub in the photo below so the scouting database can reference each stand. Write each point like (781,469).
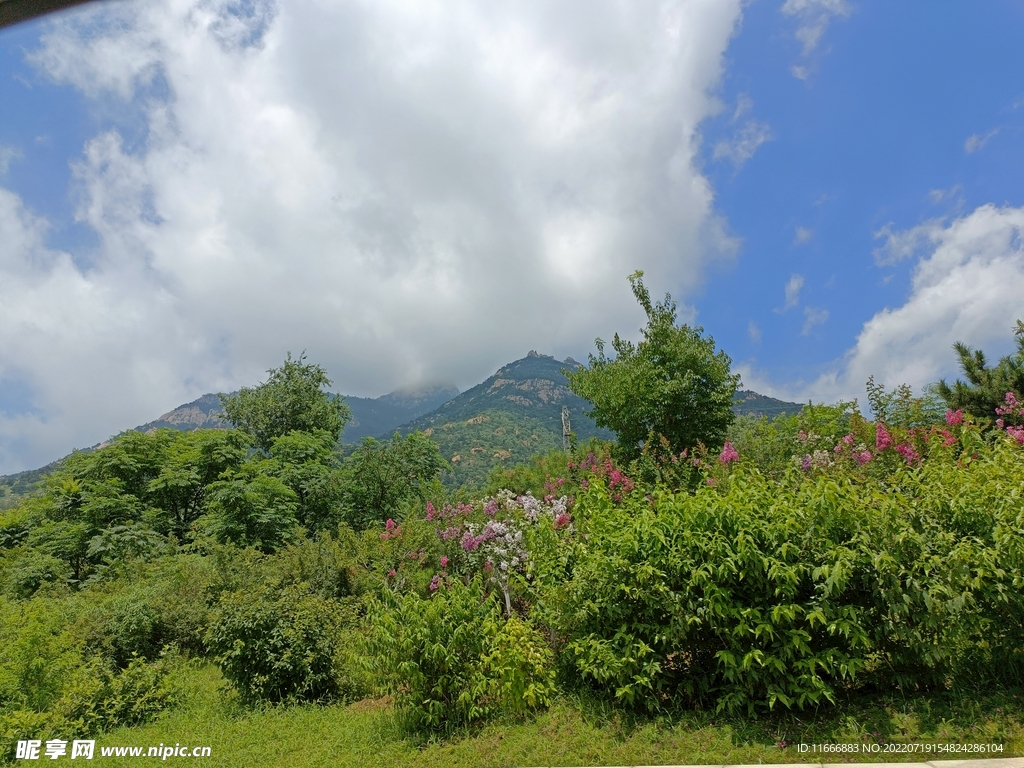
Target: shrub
(99,698)
(451,660)
(754,594)
(277,646)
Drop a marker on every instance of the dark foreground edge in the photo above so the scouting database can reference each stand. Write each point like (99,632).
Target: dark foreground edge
(13,11)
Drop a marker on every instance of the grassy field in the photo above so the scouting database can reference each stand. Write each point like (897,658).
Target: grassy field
(367,734)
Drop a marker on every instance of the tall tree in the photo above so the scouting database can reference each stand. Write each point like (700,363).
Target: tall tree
(293,398)
(671,384)
(985,388)
(385,475)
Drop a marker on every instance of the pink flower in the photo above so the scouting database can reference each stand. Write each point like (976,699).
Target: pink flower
(863,457)
(883,439)
(435,583)
(712,482)
(729,454)
(390,524)
(392,573)
(1017,433)
(909,453)
(805,463)
(562,520)
(954,418)
(444,561)
(430,511)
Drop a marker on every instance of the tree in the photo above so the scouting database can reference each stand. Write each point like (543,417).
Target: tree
(384,475)
(671,384)
(292,398)
(986,388)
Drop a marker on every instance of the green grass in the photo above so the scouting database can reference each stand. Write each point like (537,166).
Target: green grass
(573,732)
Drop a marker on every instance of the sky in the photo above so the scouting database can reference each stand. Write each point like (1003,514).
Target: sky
(420,192)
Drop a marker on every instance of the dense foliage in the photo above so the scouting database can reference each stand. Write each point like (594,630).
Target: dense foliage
(800,561)
(671,385)
(293,398)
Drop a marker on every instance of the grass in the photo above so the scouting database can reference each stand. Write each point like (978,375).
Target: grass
(368,734)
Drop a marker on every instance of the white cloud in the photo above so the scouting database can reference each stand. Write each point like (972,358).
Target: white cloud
(813,19)
(902,244)
(793,286)
(969,287)
(7,154)
(754,332)
(977,141)
(802,236)
(953,194)
(743,105)
(407,191)
(813,317)
(744,143)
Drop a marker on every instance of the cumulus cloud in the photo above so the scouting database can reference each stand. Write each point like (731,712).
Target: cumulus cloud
(793,286)
(409,192)
(968,287)
(977,141)
(742,146)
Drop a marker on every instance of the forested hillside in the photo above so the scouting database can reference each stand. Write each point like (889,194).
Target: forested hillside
(507,418)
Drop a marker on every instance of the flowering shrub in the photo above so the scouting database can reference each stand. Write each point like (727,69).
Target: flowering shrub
(755,594)
(489,537)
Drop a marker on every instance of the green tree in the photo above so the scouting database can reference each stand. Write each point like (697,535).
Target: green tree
(671,384)
(292,398)
(307,463)
(251,507)
(985,388)
(384,475)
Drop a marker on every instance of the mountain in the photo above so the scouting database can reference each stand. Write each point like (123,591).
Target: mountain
(507,418)
(502,421)
(371,417)
(749,403)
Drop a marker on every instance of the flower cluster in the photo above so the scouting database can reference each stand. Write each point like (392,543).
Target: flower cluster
(615,479)
(1012,411)
(488,535)
(391,531)
(729,454)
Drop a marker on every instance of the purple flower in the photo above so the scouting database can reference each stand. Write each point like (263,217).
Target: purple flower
(435,583)
(805,463)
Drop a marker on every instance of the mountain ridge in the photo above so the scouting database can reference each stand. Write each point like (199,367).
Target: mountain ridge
(506,418)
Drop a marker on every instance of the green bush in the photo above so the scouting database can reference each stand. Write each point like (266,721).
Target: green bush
(452,660)
(274,646)
(757,594)
(99,698)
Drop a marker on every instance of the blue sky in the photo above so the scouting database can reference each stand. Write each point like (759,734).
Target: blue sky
(875,136)
(417,193)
